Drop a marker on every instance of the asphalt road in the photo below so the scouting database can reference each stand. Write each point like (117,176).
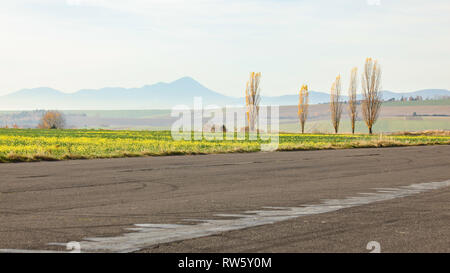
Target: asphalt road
(58,202)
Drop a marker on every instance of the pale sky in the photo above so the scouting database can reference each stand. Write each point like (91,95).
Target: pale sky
(76,44)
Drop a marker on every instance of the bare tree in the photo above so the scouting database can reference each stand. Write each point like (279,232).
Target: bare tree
(303,104)
(252,99)
(371,84)
(52,120)
(352,98)
(336,103)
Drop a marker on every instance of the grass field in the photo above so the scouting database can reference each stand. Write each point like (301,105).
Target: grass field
(17,145)
(388,124)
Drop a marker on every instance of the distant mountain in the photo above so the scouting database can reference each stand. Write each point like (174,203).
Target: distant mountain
(157,96)
(426,94)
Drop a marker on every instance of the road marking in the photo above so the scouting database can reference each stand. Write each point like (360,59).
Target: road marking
(146,235)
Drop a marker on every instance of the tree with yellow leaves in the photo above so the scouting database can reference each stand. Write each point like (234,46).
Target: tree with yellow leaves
(336,103)
(303,104)
(371,84)
(252,99)
(352,112)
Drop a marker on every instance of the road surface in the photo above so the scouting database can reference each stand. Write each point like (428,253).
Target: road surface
(306,201)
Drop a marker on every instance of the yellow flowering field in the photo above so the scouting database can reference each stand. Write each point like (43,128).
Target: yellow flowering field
(36,144)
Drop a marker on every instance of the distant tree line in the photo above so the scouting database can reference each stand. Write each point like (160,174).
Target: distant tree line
(31,119)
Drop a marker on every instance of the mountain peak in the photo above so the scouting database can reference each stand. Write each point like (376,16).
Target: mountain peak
(186,80)
(187,83)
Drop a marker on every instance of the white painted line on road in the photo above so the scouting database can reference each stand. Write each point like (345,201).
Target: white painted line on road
(146,235)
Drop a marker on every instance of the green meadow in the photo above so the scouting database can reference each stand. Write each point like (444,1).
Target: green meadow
(19,145)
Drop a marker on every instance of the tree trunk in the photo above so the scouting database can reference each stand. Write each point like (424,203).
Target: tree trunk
(370,130)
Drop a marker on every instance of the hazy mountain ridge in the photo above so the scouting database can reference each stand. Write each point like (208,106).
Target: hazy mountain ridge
(158,96)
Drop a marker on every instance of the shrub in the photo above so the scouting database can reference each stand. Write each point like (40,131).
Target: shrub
(52,120)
